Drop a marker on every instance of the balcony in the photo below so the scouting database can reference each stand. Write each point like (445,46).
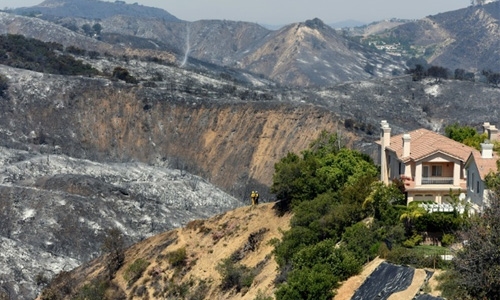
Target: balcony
(437,180)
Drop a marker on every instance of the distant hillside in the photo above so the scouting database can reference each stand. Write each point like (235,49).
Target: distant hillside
(313,54)
(467,38)
(307,54)
(95,9)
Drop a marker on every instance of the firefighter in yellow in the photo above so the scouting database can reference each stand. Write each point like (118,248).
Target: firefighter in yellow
(255,197)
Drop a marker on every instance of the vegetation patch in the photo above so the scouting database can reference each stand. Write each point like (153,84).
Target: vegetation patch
(235,275)
(135,271)
(177,258)
(26,53)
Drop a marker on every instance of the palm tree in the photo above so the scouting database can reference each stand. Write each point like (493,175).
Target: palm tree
(412,212)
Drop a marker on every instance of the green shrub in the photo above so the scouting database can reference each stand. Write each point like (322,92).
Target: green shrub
(177,258)
(415,240)
(235,275)
(447,239)
(123,74)
(262,296)
(93,291)
(419,259)
(135,270)
(309,283)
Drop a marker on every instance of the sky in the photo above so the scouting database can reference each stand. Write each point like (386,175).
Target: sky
(280,12)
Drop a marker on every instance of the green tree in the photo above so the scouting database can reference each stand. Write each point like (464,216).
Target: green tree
(476,268)
(381,199)
(492,77)
(97,28)
(438,73)
(311,284)
(410,215)
(87,29)
(362,241)
(465,134)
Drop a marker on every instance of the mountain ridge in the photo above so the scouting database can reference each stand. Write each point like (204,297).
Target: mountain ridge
(95,9)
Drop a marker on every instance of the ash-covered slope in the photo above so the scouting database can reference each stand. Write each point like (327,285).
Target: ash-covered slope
(55,210)
(305,54)
(314,54)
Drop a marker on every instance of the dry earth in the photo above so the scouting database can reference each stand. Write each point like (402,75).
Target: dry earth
(207,242)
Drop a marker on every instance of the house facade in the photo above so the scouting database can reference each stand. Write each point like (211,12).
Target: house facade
(430,165)
(478,166)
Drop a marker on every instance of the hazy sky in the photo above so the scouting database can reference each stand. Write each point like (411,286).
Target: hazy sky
(276,12)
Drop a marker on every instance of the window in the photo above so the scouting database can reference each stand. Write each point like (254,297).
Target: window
(468,178)
(477,187)
(437,171)
(472,182)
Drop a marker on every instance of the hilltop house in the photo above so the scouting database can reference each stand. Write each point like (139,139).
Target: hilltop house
(478,166)
(429,164)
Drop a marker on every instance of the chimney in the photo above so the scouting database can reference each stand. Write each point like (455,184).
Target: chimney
(486,126)
(406,145)
(385,134)
(385,141)
(493,133)
(486,150)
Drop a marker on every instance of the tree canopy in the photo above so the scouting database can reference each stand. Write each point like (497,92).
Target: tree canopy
(325,188)
(475,272)
(465,134)
(343,217)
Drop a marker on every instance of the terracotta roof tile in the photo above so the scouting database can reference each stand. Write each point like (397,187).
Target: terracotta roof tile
(424,143)
(485,165)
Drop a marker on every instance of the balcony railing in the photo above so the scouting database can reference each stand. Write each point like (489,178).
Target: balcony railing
(437,180)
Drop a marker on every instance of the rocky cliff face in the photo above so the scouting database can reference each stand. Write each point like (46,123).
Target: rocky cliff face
(231,142)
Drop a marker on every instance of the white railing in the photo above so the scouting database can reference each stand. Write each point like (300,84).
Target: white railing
(437,180)
(443,207)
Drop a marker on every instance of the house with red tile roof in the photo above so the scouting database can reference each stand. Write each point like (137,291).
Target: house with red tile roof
(430,164)
(478,166)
